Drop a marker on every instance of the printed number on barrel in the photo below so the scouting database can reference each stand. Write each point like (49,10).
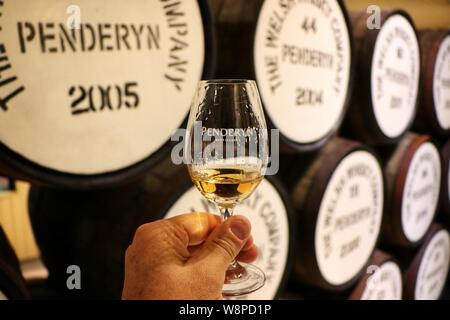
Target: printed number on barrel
(102,98)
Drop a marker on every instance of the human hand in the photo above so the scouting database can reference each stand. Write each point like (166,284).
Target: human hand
(185,257)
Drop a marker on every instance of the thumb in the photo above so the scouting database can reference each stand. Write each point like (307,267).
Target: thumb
(224,243)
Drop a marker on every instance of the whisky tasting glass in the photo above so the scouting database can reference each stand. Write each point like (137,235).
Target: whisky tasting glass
(226,151)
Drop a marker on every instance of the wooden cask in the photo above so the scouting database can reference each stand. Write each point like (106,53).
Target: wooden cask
(92,229)
(381,281)
(434,108)
(413,178)
(300,54)
(339,203)
(90,98)
(383,107)
(425,277)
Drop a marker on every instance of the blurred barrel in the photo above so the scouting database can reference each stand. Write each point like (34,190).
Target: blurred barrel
(300,53)
(434,109)
(444,199)
(426,275)
(93,229)
(381,281)
(413,178)
(90,98)
(388,70)
(339,203)
(12,284)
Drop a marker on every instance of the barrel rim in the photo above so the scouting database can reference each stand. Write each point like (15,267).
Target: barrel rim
(311,209)
(18,166)
(314,145)
(291,219)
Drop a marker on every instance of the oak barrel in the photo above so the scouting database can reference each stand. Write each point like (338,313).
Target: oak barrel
(300,54)
(413,179)
(89,98)
(339,203)
(383,107)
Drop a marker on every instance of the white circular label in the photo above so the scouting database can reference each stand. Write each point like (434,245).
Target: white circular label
(385,283)
(93,87)
(421,192)
(302,65)
(270,230)
(441,84)
(433,268)
(395,75)
(349,219)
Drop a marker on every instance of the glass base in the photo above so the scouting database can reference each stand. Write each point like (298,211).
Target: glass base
(242,278)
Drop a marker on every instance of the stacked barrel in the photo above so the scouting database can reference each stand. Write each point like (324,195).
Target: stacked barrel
(336,258)
(360,208)
(90,95)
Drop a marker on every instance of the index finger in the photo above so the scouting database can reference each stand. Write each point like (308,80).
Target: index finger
(197,225)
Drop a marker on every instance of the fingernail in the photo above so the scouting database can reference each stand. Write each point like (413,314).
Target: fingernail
(240,229)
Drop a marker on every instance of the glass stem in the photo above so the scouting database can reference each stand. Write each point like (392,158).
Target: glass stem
(235,270)
(225,213)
